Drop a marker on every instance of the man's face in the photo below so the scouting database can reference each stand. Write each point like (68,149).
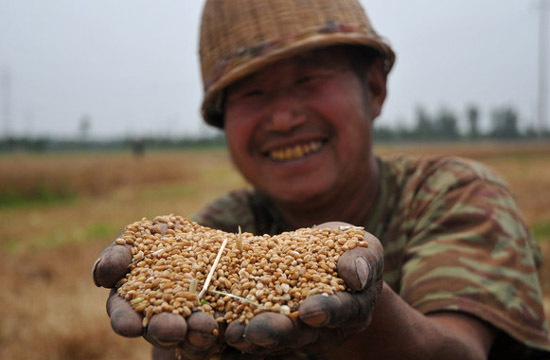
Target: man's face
(300,129)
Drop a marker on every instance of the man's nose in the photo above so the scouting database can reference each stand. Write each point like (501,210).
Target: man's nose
(285,113)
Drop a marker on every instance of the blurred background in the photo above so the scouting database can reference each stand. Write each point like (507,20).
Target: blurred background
(99,126)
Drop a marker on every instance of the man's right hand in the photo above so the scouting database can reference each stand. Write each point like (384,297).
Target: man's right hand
(194,337)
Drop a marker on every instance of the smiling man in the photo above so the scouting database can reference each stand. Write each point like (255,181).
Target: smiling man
(451,269)
(300,131)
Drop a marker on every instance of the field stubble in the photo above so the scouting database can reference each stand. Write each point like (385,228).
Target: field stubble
(49,307)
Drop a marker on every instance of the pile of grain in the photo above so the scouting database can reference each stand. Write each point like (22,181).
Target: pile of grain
(179,266)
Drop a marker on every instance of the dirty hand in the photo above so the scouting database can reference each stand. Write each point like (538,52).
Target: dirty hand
(195,336)
(324,321)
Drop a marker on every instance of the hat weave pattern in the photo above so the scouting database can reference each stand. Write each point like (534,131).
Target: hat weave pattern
(239,37)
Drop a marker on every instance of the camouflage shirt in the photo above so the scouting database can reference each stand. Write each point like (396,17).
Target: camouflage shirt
(454,240)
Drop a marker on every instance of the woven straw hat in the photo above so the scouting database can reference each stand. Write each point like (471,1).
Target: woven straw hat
(238,37)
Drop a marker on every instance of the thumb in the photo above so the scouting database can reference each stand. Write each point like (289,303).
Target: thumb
(362,266)
(111,266)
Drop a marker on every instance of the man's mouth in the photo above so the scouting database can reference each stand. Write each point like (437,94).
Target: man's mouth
(295,151)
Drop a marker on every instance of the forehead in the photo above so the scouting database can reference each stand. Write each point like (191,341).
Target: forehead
(337,58)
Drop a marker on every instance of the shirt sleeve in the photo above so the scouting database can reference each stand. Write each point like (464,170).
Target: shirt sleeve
(470,251)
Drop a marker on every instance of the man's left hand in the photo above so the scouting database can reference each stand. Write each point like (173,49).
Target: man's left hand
(324,322)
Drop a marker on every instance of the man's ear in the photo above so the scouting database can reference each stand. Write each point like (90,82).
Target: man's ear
(376,85)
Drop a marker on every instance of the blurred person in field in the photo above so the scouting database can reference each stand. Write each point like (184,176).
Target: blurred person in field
(296,85)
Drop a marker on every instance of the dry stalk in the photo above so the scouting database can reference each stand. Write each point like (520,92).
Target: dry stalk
(193,286)
(237,298)
(212,269)
(240,241)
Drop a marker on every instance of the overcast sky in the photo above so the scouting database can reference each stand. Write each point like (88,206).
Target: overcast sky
(131,66)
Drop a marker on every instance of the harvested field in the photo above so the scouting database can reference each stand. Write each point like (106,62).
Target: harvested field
(50,237)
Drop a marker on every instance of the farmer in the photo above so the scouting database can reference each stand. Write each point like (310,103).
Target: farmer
(297,85)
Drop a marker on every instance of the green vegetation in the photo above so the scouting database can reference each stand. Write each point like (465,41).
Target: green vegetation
(42,195)
(99,231)
(541,231)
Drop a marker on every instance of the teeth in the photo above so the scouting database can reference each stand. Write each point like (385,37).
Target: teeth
(295,152)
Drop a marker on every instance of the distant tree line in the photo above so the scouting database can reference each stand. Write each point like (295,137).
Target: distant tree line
(136,145)
(444,126)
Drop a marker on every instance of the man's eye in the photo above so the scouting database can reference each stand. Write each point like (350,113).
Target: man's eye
(252,93)
(312,78)
(305,79)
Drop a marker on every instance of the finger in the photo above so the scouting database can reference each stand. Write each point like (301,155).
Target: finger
(234,336)
(270,330)
(202,330)
(362,266)
(112,265)
(125,320)
(201,341)
(166,330)
(277,331)
(343,309)
(328,311)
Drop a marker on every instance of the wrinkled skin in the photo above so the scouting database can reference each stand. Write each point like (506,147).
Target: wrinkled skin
(324,321)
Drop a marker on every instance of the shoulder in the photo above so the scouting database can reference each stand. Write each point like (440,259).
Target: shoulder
(417,171)
(425,181)
(453,196)
(433,190)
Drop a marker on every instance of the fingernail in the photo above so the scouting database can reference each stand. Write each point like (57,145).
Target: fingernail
(316,319)
(242,346)
(362,271)
(96,282)
(201,339)
(270,343)
(167,343)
